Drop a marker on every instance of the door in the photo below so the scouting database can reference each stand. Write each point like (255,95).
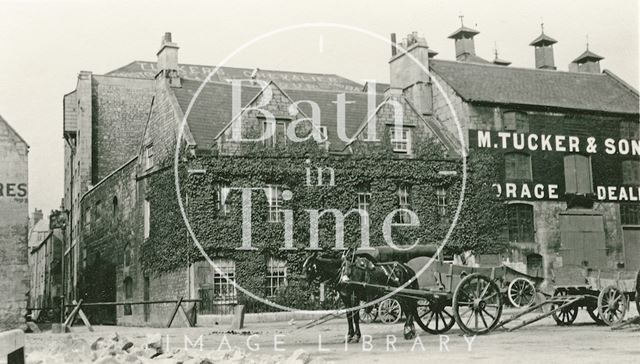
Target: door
(582,240)
(146,307)
(631,247)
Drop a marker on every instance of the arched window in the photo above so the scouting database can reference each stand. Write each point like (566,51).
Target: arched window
(517,166)
(520,223)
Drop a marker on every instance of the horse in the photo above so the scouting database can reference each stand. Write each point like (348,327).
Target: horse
(362,268)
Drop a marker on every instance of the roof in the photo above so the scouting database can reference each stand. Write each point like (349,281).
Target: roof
(463,31)
(522,86)
(285,79)
(2,120)
(212,110)
(587,56)
(543,40)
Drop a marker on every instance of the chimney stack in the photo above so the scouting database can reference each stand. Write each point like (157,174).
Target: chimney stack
(463,38)
(36,216)
(544,51)
(588,62)
(168,60)
(408,76)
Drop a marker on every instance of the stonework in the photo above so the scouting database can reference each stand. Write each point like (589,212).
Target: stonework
(14,271)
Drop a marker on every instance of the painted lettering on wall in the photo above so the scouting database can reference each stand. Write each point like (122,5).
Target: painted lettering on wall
(487,139)
(9,189)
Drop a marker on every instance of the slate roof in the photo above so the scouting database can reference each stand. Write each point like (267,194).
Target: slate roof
(532,87)
(211,111)
(284,79)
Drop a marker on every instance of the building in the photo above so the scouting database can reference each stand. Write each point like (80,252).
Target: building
(568,203)
(45,268)
(14,220)
(131,240)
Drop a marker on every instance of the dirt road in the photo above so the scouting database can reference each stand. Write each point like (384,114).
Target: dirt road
(543,342)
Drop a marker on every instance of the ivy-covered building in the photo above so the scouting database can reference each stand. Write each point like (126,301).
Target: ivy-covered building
(131,233)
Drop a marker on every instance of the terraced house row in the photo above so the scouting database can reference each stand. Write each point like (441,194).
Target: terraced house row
(534,208)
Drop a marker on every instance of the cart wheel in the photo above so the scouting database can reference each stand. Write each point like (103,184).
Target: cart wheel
(477,304)
(389,311)
(592,309)
(567,315)
(521,292)
(612,305)
(434,316)
(368,314)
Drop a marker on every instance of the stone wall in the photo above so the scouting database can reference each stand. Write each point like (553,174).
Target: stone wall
(14,217)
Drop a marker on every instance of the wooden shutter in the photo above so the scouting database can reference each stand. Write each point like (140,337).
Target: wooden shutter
(583,174)
(570,182)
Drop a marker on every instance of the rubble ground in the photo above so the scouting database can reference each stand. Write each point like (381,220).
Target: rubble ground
(282,342)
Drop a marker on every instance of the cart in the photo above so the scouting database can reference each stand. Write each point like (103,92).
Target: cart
(463,295)
(604,294)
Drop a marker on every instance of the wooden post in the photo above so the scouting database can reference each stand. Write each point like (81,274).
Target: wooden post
(183,314)
(237,322)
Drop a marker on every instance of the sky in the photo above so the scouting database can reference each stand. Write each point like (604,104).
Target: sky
(46,43)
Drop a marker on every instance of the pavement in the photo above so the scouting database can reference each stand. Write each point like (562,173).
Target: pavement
(541,342)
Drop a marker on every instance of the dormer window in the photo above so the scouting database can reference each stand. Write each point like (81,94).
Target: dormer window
(401,140)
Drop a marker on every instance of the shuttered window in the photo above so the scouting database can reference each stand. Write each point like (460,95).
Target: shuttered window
(516,121)
(517,166)
(577,174)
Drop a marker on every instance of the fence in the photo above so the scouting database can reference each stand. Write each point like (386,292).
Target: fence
(295,294)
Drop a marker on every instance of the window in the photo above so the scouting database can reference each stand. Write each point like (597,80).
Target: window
(274,196)
(87,219)
(223,289)
(114,206)
(279,135)
(630,214)
(128,254)
(222,203)
(276,275)
(631,172)
(98,211)
(148,156)
(515,121)
(629,130)
(517,166)
(401,140)
(577,174)
(364,199)
(520,222)
(403,217)
(147,218)
(128,294)
(443,203)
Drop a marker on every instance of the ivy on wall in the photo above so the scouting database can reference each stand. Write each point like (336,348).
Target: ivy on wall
(169,247)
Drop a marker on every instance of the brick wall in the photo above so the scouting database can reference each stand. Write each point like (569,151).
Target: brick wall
(14,271)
